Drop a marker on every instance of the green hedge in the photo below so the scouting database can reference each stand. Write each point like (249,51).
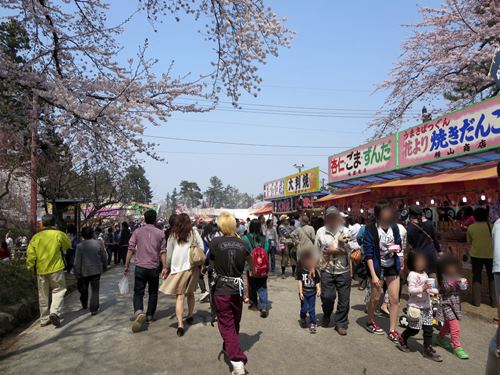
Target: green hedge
(16,282)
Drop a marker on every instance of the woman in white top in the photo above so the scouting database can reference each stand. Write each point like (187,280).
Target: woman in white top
(182,277)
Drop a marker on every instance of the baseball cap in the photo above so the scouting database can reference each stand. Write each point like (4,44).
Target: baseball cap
(283,217)
(332,210)
(415,210)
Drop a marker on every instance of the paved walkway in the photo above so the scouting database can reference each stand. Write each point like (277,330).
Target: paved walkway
(104,344)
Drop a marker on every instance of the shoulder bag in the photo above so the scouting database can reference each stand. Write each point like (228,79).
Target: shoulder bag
(196,252)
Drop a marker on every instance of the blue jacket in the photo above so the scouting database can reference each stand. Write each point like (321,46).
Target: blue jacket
(371,246)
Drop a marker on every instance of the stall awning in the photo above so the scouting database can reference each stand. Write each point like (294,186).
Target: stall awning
(267,209)
(345,193)
(472,173)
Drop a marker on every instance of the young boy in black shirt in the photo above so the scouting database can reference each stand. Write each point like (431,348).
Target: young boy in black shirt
(308,283)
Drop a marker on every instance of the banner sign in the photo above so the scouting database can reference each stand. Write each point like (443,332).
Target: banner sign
(374,157)
(473,129)
(274,189)
(296,203)
(302,182)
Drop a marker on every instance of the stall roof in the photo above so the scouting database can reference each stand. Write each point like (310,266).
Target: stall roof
(264,210)
(437,166)
(343,194)
(471,173)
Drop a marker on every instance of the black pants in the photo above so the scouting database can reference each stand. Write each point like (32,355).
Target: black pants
(477,271)
(331,285)
(201,283)
(109,250)
(83,287)
(115,249)
(70,259)
(408,332)
(151,277)
(122,253)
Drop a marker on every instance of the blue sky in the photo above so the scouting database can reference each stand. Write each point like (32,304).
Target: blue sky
(341,50)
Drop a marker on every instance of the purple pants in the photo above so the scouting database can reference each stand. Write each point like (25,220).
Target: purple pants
(229,308)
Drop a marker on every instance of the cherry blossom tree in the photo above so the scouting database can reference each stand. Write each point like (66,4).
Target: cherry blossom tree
(99,106)
(448,55)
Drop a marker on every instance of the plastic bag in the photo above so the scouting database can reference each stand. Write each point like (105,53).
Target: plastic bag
(123,285)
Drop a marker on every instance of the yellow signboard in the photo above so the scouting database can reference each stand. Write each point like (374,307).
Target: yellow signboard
(302,182)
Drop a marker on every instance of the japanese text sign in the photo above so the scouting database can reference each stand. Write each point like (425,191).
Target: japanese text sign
(364,160)
(473,129)
(274,189)
(302,182)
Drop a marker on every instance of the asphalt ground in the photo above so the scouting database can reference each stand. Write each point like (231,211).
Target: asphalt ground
(105,344)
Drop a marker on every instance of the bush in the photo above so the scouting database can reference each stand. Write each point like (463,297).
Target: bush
(16,283)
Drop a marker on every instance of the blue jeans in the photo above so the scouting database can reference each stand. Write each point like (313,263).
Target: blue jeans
(272,253)
(258,292)
(308,305)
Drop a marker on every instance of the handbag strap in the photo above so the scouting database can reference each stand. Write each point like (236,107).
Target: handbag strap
(423,231)
(194,239)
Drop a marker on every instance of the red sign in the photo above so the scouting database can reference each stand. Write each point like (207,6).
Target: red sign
(473,129)
(374,157)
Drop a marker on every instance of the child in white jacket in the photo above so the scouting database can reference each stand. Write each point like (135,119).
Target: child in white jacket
(420,287)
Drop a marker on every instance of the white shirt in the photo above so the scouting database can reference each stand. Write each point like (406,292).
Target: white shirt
(386,239)
(10,242)
(496,246)
(403,233)
(338,263)
(354,229)
(178,254)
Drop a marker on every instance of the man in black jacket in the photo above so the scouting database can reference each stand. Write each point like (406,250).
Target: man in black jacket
(422,238)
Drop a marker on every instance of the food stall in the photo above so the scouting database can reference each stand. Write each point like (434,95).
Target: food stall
(446,165)
(294,193)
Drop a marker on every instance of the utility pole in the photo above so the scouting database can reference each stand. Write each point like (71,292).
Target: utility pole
(299,166)
(34,164)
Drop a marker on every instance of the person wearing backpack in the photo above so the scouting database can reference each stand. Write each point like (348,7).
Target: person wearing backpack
(259,269)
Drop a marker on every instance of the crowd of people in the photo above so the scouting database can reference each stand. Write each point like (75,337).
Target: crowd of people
(235,258)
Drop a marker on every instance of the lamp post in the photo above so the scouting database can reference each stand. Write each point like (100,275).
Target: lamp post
(299,166)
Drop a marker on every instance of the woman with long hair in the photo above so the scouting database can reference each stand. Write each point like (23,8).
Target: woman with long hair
(381,243)
(181,277)
(258,284)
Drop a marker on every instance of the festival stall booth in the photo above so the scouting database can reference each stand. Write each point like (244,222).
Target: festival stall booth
(446,165)
(295,193)
(266,209)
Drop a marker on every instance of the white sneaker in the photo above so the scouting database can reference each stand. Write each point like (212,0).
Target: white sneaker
(238,368)
(204,296)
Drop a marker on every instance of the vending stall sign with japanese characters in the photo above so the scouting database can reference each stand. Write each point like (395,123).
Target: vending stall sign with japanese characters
(371,158)
(302,182)
(473,129)
(274,189)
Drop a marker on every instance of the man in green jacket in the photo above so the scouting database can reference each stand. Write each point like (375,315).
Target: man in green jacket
(45,258)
